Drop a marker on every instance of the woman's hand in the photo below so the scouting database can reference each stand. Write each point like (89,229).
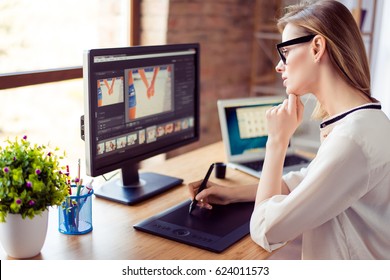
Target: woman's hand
(213,194)
(218,194)
(284,119)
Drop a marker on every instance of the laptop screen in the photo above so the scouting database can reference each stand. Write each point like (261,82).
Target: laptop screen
(243,124)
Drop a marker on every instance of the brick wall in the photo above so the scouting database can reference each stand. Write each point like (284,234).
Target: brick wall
(224,29)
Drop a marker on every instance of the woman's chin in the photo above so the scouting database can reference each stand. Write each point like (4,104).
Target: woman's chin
(296,92)
(289,91)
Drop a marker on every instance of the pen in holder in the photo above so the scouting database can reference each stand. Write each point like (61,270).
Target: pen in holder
(75,214)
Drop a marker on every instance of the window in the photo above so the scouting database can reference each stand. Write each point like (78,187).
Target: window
(47,114)
(46,34)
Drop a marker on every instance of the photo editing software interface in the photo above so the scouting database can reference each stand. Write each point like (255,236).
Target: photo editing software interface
(142,108)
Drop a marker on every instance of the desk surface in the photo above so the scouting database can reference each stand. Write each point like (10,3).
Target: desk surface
(113,236)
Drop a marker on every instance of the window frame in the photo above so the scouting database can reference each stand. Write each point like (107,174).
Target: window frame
(36,77)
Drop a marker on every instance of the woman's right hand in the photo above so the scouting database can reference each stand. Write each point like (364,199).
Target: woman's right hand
(222,195)
(284,119)
(212,194)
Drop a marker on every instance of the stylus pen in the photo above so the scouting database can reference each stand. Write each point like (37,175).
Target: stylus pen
(201,188)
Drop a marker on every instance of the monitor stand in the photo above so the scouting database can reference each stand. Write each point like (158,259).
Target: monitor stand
(133,187)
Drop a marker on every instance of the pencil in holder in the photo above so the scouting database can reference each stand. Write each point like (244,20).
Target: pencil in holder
(75,214)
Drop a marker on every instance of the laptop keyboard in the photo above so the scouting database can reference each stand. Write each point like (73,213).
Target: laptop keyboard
(289,160)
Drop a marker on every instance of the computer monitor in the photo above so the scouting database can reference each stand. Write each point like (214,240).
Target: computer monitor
(139,102)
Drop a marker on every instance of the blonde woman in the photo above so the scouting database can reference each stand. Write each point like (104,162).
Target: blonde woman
(341,202)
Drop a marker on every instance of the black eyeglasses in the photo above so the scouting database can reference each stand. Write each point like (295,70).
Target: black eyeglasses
(295,41)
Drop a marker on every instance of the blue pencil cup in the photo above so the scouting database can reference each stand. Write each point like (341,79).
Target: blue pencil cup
(75,214)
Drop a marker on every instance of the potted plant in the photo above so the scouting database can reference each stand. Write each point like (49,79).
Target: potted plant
(31,180)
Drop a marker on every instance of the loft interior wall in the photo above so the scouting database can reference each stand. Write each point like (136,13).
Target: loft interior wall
(224,29)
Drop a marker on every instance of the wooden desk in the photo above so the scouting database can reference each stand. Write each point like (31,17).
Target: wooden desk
(113,236)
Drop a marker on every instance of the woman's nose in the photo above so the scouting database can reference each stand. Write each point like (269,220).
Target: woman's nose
(279,67)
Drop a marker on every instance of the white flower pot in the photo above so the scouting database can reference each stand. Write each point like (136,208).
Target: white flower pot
(23,238)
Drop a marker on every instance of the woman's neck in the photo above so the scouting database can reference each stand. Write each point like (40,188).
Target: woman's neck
(336,96)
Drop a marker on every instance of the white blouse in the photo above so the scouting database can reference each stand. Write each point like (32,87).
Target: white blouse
(341,201)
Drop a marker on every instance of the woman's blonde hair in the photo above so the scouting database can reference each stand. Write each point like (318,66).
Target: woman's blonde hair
(345,46)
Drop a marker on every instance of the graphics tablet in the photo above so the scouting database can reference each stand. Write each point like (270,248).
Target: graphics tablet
(213,230)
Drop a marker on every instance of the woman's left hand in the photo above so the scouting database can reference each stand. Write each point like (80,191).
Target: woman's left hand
(284,119)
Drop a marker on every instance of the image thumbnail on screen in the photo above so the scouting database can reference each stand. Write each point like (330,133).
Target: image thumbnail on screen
(110,91)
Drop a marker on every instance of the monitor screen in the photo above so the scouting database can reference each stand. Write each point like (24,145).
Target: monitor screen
(247,127)
(139,102)
(244,127)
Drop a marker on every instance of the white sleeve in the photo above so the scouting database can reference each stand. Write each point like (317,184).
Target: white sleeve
(336,178)
(294,178)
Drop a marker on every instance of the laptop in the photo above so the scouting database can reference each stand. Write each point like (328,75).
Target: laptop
(244,134)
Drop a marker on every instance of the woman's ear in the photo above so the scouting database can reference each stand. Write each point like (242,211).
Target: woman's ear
(319,47)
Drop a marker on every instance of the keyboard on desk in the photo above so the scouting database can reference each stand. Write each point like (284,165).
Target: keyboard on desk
(288,161)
